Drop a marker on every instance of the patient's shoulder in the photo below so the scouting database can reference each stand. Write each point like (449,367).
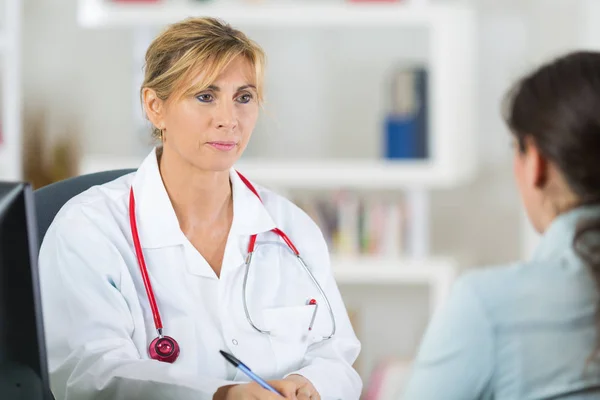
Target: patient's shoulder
(522,292)
(497,288)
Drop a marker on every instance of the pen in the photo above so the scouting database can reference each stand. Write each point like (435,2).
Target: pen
(242,367)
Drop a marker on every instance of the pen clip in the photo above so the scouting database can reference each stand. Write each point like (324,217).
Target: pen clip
(313,302)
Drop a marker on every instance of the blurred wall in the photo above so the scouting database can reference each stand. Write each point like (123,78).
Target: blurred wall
(77,75)
(483,221)
(86,76)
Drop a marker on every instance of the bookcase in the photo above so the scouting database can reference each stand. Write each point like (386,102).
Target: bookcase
(321,133)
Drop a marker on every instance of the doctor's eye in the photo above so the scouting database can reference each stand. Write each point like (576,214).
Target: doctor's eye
(205,97)
(245,98)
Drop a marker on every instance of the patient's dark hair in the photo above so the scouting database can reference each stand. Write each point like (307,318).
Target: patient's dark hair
(558,107)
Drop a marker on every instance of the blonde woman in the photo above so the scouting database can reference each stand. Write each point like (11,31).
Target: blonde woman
(147,278)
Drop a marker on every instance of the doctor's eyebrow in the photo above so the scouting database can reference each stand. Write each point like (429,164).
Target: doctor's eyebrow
(244,87)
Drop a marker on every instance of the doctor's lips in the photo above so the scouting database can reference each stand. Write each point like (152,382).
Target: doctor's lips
(223,145)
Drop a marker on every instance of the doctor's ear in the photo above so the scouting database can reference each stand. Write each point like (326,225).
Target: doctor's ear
(154,107)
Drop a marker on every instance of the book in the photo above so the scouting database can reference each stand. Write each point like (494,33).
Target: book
(355,225)
(406,125)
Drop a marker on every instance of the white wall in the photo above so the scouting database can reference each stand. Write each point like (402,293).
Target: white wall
(479,221)
(516,36)
(85,76)
(77,75)
(555,27)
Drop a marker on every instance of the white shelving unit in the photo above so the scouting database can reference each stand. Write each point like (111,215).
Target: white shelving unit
(450,68)
(437,273)
(451,31)
(316,174)
(102,14)
(450,63)
(11,126)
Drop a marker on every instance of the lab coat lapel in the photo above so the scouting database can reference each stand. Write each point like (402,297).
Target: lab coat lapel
(161,240)
(156,220)
(158,225)
(249,217)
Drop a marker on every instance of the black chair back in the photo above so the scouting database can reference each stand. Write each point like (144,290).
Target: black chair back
(50,199)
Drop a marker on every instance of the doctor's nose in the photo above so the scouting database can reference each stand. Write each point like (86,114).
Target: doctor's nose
(225,117)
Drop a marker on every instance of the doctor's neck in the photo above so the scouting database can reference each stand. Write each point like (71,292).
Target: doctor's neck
(198,196)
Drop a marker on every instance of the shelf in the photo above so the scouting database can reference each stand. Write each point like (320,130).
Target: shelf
(437,273)
(356,174)
(101,13)
(373,270)
(317,174)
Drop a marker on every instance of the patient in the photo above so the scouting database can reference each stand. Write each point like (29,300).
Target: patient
(531,330)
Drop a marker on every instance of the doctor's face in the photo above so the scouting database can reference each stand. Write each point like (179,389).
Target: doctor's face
(210,129)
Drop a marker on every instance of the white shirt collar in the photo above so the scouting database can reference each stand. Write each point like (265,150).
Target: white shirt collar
(156,219)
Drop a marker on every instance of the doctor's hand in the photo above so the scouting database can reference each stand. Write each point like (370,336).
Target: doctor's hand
(253,391)
(305,389)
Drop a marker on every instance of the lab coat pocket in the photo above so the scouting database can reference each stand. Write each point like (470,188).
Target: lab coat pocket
(289,336)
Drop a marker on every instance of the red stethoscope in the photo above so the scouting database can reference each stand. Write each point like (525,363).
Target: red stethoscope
(165,348)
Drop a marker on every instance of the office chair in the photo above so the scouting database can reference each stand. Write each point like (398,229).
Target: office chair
(50,199)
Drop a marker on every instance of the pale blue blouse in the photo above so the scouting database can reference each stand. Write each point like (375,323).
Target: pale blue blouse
(523,331)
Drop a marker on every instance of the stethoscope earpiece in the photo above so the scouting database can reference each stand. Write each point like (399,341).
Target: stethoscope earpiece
(164,348)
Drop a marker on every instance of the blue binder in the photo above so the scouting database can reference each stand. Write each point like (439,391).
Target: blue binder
(406,130)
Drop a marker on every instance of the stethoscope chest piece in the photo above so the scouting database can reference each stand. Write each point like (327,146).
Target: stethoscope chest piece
(164,348)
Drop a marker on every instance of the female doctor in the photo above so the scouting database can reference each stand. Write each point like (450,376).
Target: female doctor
(144,279)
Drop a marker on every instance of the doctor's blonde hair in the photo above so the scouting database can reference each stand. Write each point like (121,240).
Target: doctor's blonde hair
(197,47)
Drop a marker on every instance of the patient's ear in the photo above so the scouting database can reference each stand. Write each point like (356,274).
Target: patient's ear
(536,165)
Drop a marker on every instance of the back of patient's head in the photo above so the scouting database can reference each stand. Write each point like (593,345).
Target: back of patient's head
(556,108)
(554,115)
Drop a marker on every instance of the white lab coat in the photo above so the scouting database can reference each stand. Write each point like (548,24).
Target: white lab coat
(99,323)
